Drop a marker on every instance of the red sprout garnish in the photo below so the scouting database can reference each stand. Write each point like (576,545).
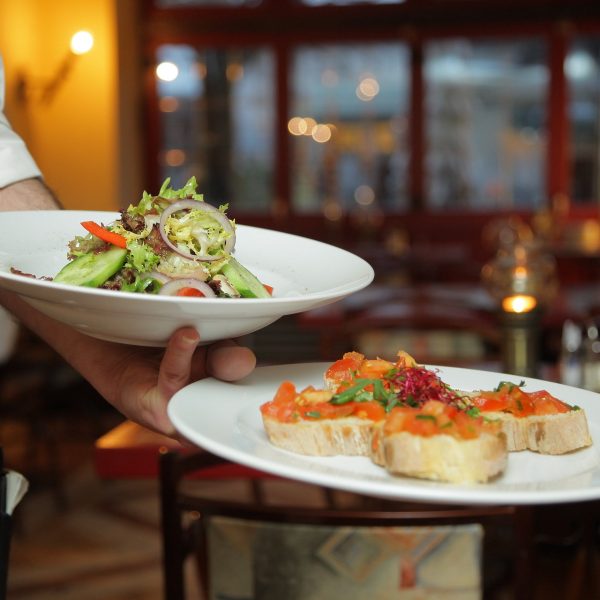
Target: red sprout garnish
(417,385)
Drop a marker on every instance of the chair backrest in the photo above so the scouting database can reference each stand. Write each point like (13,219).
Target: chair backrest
(432,330)
(368,543)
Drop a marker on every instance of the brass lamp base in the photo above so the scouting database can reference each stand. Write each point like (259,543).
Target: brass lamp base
(521,342)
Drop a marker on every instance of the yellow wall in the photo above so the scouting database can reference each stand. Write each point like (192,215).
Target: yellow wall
(74,138)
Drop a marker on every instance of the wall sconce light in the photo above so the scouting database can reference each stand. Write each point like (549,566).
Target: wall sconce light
(522,279)
(44,91)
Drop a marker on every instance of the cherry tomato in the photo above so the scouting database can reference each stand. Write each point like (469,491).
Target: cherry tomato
(190,291)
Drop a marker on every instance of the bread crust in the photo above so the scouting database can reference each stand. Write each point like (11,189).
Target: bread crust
(445,458)
(350,436)
(547,434)
(377,446)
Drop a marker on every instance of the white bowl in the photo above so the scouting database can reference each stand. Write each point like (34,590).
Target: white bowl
(304,273)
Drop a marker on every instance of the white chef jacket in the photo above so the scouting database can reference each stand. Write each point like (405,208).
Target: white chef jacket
(16,163)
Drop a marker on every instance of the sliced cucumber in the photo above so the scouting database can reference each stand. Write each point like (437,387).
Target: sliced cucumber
(243,281)
(92,269)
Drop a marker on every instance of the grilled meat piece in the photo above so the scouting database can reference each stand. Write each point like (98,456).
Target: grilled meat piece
(135,223)
(156,242)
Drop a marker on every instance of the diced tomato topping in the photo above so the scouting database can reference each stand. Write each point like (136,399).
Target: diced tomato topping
(490,402)
(345,368)
(421,424)
(285,393)
(268,288)
(512,399)
(375,369)
(289,405)
(435,418)
(395,419)
(546,404)
(325,410)
(467,427)
(373,411)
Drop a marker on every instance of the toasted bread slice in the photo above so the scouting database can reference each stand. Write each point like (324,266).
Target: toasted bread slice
(553,433)
(439,442)
(546,434)
(350,436)
(445,458)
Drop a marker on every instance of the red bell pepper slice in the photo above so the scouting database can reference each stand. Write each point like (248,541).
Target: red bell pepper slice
(104,234)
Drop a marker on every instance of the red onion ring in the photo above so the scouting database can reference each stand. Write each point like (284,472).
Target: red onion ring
(215,213)
(189,269)
(160,277)
(172,287)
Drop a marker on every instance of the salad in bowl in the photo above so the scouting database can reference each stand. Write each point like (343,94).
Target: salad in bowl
(173,244)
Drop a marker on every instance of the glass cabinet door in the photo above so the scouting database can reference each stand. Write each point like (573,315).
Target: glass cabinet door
(582,70)
(348,128)
(216,111)
(485,124)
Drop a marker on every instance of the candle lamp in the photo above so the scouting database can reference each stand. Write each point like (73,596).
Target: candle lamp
(522,280)
(45,90)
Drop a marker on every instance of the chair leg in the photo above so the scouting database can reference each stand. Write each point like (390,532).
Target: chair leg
(258,494)
(525,558)
(330,498)
(171,528)
(591,524)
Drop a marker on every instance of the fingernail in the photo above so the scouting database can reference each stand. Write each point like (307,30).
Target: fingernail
(191,340)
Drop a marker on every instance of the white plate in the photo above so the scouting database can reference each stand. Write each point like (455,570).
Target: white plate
(224,419)
(305,274)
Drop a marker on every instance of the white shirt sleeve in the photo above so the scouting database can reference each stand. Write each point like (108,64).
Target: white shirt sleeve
(16,163)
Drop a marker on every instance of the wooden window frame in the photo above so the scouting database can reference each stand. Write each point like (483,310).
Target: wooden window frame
(284,24)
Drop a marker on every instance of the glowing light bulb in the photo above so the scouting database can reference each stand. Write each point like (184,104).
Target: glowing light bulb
(82,42)
(167,71)
(519,303)
(321,133)
(367,89)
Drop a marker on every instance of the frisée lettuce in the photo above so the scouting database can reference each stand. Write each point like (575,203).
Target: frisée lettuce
(173,243)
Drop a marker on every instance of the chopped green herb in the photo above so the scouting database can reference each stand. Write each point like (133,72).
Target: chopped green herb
(410,401)
(349,394)
(426,418)
(313,414)
(510,385)
(490,420)
(391,403)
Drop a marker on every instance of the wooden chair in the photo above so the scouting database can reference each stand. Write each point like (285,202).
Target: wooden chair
(183,536)
(433,330)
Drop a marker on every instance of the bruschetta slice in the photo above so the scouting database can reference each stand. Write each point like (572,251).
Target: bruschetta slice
(318,422)
(439,442)
(534,421)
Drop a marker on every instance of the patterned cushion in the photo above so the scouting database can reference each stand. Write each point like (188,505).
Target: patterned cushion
(273,561)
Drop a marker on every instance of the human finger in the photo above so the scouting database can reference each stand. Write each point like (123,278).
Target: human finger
(175,367)
(229,362)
